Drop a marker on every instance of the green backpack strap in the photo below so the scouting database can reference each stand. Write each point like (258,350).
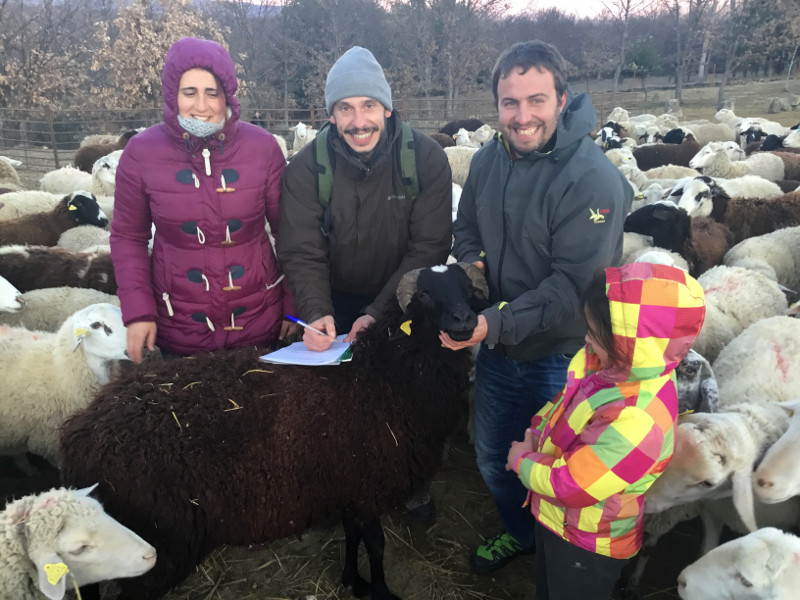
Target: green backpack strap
(408,160)
(323,166)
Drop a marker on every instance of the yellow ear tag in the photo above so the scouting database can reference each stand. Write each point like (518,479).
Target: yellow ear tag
(79,331)
(686,412)
(406,327)
(72,207)
(55,571)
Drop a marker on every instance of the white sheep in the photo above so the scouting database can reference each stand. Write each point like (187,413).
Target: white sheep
(104,172)
(8,175)
(26,202)
(775,254)
(482,134)
(764,565)
(65,181)
(696,196)
(63,538)
(732,149)
(670,172)
(621,156)
(667,122)
(705,133)
(776,478)
(457,189)
(619,115)
(462,137)
(95,139)
(762,363)
(82,237)
(460,157)
(764,164)
(658,256)
(792,139)
(735,299)
(282,145)
(715,450)
(302,135)
(10,297)
(46,309)
(48,376)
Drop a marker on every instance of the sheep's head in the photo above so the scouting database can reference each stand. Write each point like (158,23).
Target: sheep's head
(66,531)
(747,567)
(449,296)
(700,196)
(668,225)
(696,384)
(699,468)
(83,208)
(775,480)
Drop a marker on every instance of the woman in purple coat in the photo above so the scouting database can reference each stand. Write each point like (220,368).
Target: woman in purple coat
(210,184)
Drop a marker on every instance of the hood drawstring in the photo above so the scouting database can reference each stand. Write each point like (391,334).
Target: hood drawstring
(188,144)
(206,154)
(221,139)
(165,298)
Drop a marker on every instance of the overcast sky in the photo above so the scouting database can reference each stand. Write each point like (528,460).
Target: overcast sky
(579,8)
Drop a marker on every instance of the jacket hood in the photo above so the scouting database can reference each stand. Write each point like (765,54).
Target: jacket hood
(656,315)
(191,53)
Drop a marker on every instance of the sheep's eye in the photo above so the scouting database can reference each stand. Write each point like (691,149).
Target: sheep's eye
(80,550)
(96,325)
(744,580)
(706,483)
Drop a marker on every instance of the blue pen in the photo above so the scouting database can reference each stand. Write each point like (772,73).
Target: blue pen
(306,325)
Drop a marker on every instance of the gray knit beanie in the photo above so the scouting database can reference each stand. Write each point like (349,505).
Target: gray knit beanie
(357,73)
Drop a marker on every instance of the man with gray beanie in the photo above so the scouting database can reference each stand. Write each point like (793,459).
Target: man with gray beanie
(344,255)
(343,260)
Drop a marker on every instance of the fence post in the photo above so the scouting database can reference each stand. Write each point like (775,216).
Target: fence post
(49,114)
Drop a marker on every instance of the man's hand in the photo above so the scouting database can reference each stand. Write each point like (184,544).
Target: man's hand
(529,444)
(139,335)
(316,342)
(359,324)
(481,329)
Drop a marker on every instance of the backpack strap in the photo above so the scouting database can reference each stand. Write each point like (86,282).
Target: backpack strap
(323,165)
(408,160)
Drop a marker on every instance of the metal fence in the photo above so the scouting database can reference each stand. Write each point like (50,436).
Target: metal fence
(45,139)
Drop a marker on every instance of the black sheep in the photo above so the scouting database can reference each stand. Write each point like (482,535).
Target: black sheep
(668,225)
(34,267)
(452,127)
(224,449)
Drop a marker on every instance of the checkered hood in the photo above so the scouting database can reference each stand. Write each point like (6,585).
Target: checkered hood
(656,315)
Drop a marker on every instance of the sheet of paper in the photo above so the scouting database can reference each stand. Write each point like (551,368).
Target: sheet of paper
(298,354)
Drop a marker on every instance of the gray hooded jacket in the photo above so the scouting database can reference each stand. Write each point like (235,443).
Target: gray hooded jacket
(543,224)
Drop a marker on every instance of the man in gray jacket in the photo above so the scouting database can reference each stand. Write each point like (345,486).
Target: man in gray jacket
(542,210)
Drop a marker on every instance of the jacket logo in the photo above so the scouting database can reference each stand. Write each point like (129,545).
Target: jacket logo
(391,197)
(598,216)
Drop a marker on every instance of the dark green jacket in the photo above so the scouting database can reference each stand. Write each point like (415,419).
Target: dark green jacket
(542,224)
(377,232)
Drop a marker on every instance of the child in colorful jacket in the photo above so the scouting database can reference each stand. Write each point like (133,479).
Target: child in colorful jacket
(591,454)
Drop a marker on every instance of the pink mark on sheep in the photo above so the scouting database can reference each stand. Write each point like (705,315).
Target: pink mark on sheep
(3,329)
(730,284)
(783,366)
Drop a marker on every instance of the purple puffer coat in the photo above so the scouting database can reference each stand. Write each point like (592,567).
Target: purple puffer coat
(213,280)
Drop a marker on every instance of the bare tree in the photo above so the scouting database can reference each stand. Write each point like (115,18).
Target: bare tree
(689,17)
(620,12)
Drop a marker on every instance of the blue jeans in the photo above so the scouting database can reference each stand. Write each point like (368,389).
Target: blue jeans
(508,393)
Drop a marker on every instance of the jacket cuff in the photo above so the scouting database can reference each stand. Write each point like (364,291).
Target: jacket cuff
(493,323)
(141,319)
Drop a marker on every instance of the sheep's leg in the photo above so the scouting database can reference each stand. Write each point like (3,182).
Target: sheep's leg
(352,540)
(712,529)
(375,541)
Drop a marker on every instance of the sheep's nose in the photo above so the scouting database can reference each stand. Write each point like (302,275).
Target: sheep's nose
(763,483)
(681,582)
(462,315)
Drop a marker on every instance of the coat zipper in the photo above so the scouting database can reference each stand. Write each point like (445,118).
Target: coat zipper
(505,233)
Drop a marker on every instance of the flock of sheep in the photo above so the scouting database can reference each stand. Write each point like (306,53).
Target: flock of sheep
(716,198)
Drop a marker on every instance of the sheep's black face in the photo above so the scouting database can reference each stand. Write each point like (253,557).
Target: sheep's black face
(446,295)
(84,210)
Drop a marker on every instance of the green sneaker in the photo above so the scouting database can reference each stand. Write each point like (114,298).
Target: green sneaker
(495,553)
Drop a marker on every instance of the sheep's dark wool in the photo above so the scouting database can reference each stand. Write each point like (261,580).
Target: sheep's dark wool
(86,156)
(444,140)
(668,225)
(44,229)
(710,241)
(749,217)
(224,449)
(788,185)
(35,267)
(452,127)
(656,155)
(673,136)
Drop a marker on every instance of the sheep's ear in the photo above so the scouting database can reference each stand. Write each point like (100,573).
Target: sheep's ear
(52,573)
(79,334)
(791,406)
(84,491)
(743,497)
(478,280)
